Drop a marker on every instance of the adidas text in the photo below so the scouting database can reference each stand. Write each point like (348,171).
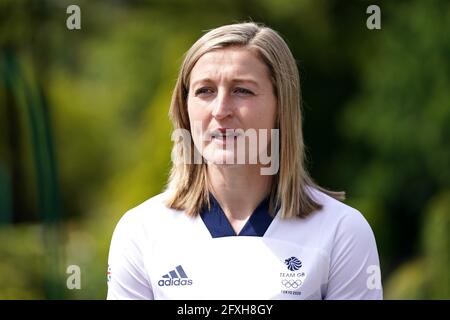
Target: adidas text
(174,282)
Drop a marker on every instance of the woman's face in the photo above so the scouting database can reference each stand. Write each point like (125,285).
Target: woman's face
(230,89)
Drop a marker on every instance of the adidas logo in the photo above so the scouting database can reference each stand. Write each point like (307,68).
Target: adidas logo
(175,277)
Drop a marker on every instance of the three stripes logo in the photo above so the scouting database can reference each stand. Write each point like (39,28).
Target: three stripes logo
(175,277)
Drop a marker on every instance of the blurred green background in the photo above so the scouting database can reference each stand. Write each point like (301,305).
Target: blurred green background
(85,136)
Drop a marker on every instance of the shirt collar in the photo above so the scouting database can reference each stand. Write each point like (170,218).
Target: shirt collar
(218,225)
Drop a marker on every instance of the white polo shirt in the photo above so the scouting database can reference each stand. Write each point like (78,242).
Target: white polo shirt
(161,253)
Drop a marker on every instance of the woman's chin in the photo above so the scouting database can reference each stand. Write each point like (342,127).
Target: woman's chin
(222,157)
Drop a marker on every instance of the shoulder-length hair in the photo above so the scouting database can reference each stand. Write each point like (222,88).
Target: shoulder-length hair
(188,185)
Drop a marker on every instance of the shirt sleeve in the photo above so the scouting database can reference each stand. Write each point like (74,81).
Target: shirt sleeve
(127,278)
(354,266)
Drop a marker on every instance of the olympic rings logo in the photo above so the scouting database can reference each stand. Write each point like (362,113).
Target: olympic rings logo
(294,284)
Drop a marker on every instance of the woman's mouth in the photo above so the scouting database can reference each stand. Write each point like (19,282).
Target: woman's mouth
(224,135)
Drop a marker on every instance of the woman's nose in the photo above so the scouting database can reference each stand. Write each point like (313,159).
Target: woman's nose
(222,106)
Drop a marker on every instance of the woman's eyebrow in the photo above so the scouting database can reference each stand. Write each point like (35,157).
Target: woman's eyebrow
(235,80)
(245,80)
(203,80)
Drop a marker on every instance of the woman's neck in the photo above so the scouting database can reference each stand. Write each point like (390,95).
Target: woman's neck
(239,190)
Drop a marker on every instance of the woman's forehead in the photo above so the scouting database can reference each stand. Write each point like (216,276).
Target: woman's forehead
(235,63)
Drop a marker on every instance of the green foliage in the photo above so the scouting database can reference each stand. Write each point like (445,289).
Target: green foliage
(436,247)
(427,277)
(377,124)
(398,123)
(22,265)
(406,282)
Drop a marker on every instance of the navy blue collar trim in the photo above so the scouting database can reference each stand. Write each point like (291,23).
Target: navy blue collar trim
(219,226)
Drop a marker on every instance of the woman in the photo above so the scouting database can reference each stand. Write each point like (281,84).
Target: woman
(235,223)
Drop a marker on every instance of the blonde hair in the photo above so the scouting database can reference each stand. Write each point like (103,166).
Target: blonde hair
(188,183)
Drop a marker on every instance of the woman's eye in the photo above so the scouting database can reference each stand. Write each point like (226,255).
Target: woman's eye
(243,91)
(203,91)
